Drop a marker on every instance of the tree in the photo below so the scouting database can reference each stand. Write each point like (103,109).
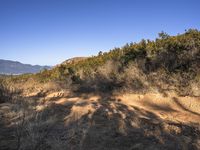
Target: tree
(100,53)
(163,35)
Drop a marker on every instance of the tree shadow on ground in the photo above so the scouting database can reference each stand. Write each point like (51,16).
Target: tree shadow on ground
(134,128)
(183,107)
(111,126)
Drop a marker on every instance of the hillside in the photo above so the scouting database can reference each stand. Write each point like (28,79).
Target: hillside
(167,63)
(73,60)
(143,95)
(14,67)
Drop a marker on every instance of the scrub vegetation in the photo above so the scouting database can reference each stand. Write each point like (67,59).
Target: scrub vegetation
(143,95)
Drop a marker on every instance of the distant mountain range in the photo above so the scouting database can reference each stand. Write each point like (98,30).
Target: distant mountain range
(15,67)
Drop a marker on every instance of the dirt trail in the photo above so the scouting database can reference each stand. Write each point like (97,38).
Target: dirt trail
(152,121)
(172,107)
(170,122)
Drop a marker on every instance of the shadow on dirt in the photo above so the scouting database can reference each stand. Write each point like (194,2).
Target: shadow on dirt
(112,126)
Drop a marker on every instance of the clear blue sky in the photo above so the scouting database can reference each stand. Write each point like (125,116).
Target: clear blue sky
(47,32)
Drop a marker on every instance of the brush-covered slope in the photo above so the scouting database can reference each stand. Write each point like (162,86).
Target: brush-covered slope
(167,63)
